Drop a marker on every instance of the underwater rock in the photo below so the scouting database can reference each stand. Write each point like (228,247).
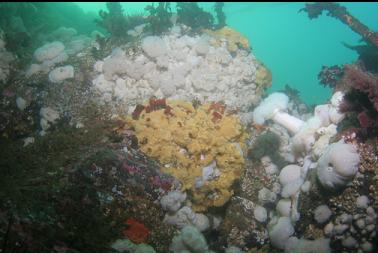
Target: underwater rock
(198,83)
(240,226)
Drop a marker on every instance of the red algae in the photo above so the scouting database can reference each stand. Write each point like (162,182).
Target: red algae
(136,232)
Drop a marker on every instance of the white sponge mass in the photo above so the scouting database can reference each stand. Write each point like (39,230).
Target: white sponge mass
(61,73)
(49,51)
(154,46)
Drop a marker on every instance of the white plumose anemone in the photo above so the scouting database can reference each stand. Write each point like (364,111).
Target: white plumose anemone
(338,165)
(273,107)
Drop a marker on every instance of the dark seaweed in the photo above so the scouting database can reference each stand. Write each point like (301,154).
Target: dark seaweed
(190,14)
(159,18)
(267,144)
(116,23)
(221,17)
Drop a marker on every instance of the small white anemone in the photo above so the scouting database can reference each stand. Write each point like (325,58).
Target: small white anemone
(280,231)
(334,115)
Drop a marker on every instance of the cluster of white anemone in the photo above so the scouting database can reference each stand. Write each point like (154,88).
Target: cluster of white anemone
(336,165)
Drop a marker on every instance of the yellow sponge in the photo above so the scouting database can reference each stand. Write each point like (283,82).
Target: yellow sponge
(188,139)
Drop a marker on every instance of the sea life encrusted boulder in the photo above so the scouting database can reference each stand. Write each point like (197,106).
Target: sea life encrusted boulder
(177,66)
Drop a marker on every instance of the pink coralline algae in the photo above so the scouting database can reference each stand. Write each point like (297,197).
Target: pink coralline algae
(364,119)
(8,93)
(360,80)
(163,183)
(330,75)
(360,101)
(129,168)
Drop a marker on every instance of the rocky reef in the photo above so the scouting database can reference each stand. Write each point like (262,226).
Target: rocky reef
(155,134)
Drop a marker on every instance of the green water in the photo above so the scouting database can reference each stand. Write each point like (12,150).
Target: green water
(292,46)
